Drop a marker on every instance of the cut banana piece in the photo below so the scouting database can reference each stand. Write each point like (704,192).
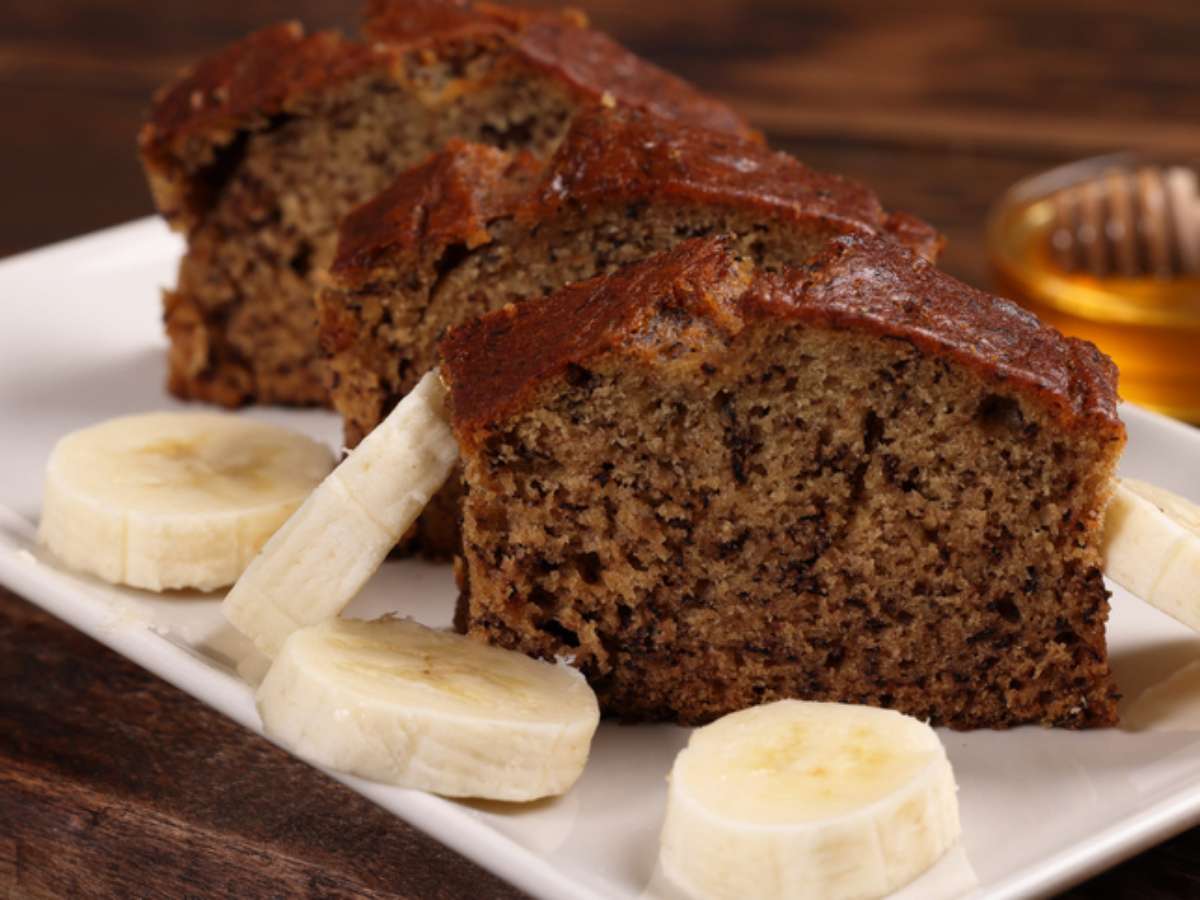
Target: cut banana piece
(400,703)
(174,500)
(1152,548)
(813,800)
(322,556)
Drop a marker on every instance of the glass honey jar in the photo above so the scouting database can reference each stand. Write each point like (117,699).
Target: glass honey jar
(1108,249)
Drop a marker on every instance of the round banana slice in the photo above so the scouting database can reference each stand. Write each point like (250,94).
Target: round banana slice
(814,800)
(403,704)
(174,500)
(320,559)
(1152,548)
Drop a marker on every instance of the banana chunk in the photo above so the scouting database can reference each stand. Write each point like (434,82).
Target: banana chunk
(174,500)
(324,554)
(1152,548)
(813,800)
(403,704)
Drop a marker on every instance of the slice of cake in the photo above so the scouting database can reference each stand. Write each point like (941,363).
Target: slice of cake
(710,485)
(258,151)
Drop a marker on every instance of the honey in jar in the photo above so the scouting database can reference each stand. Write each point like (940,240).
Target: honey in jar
(1109,250)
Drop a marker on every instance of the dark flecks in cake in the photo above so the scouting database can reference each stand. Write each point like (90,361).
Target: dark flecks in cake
(681,599)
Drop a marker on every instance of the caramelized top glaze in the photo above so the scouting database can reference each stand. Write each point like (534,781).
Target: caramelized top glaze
(249,84)
(449,199)
(254,77)
(243,87)
(626,157)
(684,308)
(640,157)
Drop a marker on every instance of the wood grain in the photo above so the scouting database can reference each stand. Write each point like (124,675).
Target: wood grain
(113,783)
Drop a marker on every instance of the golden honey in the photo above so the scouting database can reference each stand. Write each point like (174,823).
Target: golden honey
(1149,325)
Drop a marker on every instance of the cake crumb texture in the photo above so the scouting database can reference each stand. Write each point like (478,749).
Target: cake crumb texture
(715,486)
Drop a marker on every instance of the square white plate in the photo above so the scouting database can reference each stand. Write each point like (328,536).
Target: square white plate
(80,341)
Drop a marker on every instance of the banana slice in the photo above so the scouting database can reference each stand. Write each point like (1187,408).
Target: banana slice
(814,800)
(1152,548)
(400,703)
(315,564)
(174,500)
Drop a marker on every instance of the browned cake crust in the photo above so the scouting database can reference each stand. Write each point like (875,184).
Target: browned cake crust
(498,361)
(449,200)
(714,485)
(258,151)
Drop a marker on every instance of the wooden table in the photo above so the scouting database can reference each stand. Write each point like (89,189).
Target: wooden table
(113,782)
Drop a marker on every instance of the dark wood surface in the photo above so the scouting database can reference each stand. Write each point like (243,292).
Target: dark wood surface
(113,783)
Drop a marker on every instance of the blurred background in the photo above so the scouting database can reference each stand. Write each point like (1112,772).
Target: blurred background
(939,105)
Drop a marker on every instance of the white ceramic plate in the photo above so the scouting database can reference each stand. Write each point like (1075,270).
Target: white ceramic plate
(80,341)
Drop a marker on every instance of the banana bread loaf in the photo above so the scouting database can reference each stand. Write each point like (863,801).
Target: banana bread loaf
(710,484)
(257,153)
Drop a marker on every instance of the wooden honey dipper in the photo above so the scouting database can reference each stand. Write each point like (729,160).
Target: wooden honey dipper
(1129,222)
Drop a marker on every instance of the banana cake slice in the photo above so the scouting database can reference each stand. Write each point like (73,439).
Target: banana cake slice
(257,152)
(711,484)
